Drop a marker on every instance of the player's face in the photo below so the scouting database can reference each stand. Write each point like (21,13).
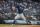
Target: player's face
(21,4)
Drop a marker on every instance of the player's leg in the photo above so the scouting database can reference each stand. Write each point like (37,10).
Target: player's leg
(23,17)
(18,16)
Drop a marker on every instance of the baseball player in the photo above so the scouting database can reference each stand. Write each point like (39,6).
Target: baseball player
(20,12)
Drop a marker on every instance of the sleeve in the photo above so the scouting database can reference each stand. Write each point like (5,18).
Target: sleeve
(18,6)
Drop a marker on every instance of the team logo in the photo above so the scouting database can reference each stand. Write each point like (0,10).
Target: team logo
(20,7)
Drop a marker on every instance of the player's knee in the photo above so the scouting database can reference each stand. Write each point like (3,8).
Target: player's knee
(24,19)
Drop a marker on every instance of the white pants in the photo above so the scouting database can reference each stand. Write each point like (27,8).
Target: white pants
(20,16)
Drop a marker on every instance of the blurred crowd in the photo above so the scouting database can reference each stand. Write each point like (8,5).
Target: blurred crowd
(31,10)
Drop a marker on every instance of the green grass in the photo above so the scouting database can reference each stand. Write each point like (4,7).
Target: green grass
(4,25)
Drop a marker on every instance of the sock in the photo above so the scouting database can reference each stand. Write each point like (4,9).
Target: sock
(14,22)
